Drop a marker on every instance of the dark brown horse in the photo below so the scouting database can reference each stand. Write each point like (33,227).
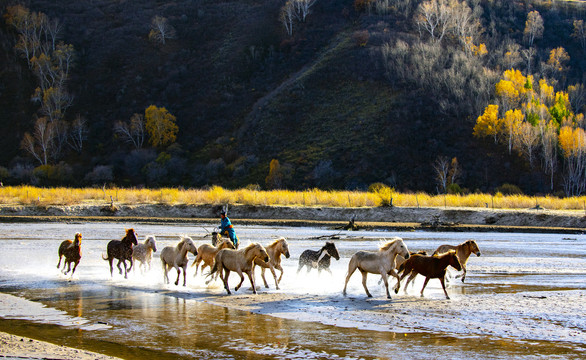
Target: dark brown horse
(122,250)
(71,250)
(432,267)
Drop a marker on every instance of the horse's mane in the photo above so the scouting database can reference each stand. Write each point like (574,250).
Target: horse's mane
(182,242)
(149,237)
(276,241)
(448,253)
(388,244)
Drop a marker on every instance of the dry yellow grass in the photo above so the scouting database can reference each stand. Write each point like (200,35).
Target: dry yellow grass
(29,195)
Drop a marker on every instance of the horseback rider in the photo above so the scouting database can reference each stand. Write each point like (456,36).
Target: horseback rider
(226,229)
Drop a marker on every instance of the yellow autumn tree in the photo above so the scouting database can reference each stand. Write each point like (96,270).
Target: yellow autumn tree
(488,124)
(160,125)
(274,179)
(511,125)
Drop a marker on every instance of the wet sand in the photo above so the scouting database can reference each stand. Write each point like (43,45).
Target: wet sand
(19,347)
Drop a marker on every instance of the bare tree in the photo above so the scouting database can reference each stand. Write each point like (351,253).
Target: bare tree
(78,134)
(533,27)
(133,132)
(302,8)
(526,140)
(161,30)
(434,17)
(40,143)
(442,168)
(287,16)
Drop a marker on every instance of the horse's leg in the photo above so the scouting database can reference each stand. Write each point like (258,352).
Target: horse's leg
(464,274)
(184,267)
(424,285)
(178,274)
(131,261)
(111,261)
(125,269)
(280,268)
(394,273)
(165,273)
(251,278)
(444,287)
(196,264)
(225,279)
(271,267)
(385,278)
(74,267)
(351,269)
(412,276)
(59,263)
(241,281)
(118,266)
(364,275)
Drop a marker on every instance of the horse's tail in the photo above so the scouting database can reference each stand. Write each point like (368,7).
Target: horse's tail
(105,258)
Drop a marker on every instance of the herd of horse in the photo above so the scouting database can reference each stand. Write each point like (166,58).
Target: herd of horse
(221,257)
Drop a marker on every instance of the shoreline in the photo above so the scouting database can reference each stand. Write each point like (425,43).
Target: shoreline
(383,218)
(21,347)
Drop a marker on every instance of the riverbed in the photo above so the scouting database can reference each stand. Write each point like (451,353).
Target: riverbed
(523,297)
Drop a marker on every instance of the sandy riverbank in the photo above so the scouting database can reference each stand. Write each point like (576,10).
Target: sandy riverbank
(19,347)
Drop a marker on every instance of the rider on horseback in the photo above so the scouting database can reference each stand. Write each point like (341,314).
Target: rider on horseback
(226,229)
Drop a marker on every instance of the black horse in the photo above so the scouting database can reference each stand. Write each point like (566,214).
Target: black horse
(122,250)
(319,260)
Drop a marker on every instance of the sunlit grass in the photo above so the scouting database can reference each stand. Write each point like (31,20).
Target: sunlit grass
(29,195)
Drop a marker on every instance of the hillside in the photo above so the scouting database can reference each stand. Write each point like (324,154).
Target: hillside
(324,101)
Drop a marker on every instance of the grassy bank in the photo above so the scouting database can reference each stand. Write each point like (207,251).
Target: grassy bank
(28,195)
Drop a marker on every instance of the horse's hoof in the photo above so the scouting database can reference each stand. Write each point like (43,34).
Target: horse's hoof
(369,295)
(396,291)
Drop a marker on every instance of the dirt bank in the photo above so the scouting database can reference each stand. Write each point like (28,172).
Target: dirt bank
(439,219)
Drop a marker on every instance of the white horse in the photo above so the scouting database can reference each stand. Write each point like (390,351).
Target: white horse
(176,257)
(380,262)
(144,252)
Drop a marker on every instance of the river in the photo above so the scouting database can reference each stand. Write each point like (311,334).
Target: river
(523,297)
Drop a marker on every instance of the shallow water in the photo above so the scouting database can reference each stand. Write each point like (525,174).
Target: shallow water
(141,316)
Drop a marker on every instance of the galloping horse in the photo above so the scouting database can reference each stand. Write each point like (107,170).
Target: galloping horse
(122,250)
(381,262)
(241,261)
(71,250)
(320,259)
(144,252)
(463,252)
(275,250)
(207,253)
(176,257)
(432,267)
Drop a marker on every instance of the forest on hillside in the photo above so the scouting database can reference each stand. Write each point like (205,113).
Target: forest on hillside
(421,95)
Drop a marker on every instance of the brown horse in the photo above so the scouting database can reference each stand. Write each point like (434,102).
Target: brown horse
(207,254)
(275,250)
(241,261)
(380,262)
(463,252)
(71,250)
(122,250)
(176,257)
(432,267)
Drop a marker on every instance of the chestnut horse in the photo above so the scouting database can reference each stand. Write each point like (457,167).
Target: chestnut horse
(71,250)
(380,262)
(275,250)
(432,267)
(241,261)
(122,250)
(463,252)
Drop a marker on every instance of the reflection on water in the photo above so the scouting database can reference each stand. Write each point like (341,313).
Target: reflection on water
(146,318)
